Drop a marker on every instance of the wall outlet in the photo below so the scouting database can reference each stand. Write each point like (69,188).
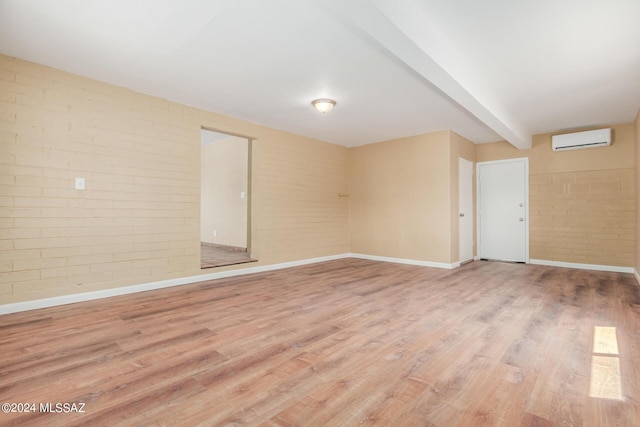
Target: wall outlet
(79,183)
(215,233)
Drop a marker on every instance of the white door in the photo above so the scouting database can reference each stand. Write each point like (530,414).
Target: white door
(465,207)
(503,233)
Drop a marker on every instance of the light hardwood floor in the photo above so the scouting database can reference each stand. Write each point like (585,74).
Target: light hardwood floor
(341,343)
(212,256)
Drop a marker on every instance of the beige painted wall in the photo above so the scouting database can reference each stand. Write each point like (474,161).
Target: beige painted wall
(582,202)
(401,198)
(138,219)
(637,178)
(224,176)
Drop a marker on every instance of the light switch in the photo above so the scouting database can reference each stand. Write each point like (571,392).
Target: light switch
(242,194)
(79,183)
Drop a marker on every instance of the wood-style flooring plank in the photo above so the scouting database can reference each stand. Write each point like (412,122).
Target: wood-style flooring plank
(346,342)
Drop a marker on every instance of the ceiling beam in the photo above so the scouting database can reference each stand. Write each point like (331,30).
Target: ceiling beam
(406,31)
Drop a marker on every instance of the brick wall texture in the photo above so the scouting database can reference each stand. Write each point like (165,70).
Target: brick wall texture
(138,219)
(583,217)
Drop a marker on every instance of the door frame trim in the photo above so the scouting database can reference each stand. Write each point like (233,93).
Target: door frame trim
(525,161)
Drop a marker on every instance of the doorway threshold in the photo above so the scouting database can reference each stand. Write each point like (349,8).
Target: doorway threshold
(204,266)
(212,255)
(502,260)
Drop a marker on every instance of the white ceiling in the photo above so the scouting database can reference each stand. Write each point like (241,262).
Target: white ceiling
(488,70)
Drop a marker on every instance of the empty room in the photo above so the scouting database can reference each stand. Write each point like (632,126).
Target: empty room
(319,213)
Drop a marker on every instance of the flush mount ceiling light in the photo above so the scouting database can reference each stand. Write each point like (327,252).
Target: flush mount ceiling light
(324,105)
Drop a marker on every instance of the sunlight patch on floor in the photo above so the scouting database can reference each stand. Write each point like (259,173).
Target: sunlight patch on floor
(606,380)
(604,340)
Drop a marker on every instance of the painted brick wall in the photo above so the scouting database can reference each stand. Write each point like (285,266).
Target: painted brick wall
(296,187)
(137,221)
(583,217)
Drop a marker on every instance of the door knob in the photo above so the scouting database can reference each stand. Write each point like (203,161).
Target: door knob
(521,219)
(461,215)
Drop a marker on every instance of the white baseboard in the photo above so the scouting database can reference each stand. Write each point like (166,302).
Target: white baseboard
(407,261)
(106,293)
(612,268)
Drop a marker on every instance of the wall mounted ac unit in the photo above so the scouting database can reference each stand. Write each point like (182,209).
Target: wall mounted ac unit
(588,139)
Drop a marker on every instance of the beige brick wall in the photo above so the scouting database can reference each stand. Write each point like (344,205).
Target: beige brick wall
(138,219)
(295,195)
(583,217)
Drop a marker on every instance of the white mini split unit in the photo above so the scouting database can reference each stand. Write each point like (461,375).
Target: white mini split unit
(588,139)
